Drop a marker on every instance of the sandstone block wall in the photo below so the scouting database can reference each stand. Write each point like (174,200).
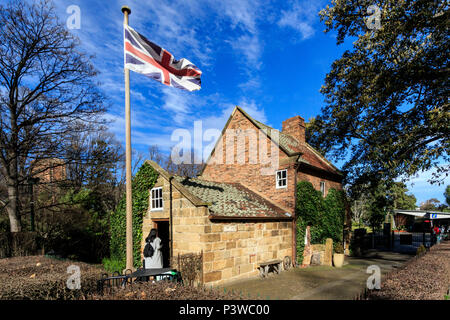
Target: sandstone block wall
(231,249)
(234,249)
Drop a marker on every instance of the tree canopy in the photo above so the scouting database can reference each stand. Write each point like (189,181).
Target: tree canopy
(447,195)
(48,94)
(386,107)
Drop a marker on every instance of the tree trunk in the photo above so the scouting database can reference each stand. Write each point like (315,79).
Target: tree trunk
(12,208)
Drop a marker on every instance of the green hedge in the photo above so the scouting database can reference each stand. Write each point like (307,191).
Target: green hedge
(325,216)
(144,180)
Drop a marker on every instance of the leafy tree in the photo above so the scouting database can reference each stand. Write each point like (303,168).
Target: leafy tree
(47,93)
(72,215)
(430,204)
(387,111)
(378,210)
(447,195)
(373,205)
(402,200)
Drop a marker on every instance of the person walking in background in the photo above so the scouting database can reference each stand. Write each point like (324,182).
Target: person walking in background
(152,251)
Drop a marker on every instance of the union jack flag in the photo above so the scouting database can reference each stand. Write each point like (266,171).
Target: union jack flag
(143,56)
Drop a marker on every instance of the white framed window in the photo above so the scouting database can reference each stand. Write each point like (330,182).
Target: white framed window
(322,188)
(156,199)
(281,179)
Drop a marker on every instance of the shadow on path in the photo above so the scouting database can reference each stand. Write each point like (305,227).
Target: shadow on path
(320,282)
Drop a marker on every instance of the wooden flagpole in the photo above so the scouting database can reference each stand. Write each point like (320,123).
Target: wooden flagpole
(129,231)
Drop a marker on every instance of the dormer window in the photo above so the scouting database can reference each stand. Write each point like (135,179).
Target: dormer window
(281,179)
(156,199)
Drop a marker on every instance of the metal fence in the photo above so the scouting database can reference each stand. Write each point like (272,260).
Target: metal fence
(398,241)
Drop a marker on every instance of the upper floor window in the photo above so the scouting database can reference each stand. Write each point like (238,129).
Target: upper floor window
(156,199)
(281,176)
(322,187)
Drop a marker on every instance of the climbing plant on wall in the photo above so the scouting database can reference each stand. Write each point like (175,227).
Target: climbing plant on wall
(144,180)
(325,216)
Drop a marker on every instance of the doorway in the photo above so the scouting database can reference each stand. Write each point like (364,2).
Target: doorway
(164,235)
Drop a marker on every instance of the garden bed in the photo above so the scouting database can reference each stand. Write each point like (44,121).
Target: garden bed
(424,278)
(44,278)
(165,290)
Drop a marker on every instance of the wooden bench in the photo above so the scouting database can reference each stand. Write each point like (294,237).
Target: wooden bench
(264,267)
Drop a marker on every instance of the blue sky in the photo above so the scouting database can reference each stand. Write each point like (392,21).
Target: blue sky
(269,57)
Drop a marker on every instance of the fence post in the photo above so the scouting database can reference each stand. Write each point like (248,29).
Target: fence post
(393,240)
(373,239)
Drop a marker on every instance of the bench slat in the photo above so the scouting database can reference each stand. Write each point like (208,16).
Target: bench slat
(270,262)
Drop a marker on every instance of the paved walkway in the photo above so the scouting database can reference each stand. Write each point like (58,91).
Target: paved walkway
(320,282)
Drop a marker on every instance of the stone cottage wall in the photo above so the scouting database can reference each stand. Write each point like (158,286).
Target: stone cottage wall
(234,249)
(231,249)
(188,222)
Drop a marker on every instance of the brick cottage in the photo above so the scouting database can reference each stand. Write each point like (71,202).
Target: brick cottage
(238,212)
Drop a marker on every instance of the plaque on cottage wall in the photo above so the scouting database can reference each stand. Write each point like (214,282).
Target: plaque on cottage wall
(230,228)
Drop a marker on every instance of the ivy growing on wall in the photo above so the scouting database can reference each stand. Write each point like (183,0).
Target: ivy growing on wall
(144,180)
(325,216)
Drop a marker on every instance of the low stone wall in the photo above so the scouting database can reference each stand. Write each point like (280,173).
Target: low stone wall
(322,254)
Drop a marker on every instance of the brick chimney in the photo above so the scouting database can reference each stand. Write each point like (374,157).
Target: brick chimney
(295,127)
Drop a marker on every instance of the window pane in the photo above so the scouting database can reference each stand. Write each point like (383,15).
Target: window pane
(160,203)
(283,173)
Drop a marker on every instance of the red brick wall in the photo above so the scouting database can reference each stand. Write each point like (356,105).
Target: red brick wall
(295,127)
(250,174)
(316,179)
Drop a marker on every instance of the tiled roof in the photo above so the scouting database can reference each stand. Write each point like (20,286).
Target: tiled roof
(308,154)
(286,141)
(231,199)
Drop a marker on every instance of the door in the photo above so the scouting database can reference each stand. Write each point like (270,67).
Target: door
(163,234)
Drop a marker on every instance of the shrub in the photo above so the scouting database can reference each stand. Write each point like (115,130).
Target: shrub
(324,216)
(144,180)
(338,248)
(113,265)
(421,250)
(334,207)
(13,244)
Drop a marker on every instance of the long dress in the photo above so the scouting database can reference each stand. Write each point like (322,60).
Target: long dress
(155,261)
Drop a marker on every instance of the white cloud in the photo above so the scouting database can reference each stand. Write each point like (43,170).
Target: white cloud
(254,110)
(242,14)
(301,17)
(249,47)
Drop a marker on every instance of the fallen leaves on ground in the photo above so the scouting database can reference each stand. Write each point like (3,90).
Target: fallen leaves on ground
(424,278)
